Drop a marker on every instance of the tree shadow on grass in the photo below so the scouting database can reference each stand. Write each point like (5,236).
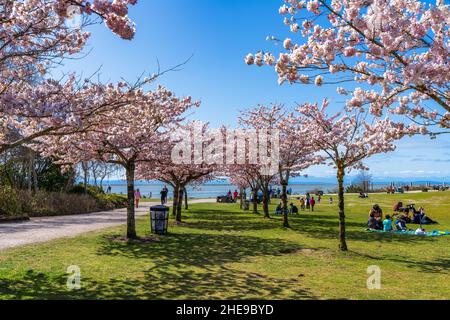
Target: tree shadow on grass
(441,265)
(194,266)
(222,282)
(200,250)
(157,283)
(180,266)
(35,285)
(218,222)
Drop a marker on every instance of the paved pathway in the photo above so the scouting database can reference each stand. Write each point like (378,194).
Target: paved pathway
(49,228)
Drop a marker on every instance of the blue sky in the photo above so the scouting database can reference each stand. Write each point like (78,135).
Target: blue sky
(219,33)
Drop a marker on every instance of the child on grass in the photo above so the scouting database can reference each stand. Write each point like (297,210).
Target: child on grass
(387,224)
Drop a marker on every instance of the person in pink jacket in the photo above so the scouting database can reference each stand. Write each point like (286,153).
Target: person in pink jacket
(137,197)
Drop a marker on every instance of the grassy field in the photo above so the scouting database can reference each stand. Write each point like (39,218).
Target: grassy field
(223,253)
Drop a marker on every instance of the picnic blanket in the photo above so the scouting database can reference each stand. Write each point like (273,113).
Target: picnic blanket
(434,233)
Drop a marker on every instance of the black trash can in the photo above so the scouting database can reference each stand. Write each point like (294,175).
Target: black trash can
(159,219)
(246,205)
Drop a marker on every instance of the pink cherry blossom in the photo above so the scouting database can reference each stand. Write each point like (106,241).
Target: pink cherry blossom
(127,132)
(345,139)
(399,47)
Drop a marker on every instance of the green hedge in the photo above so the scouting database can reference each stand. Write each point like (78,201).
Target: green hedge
(17,204)
(10,205)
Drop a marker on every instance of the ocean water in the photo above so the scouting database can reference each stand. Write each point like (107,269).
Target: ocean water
(213,190)
(209,190)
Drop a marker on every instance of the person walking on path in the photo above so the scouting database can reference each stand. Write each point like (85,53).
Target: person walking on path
(312,203)
(235,195)
(308,198)
(164,193)
(137,197)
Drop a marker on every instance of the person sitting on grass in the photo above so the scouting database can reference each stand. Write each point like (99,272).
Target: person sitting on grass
(376,210)
(400,224)
(423,218)
(279,209)
(417,217)
(378,214)
(398,207)
(373,224)
(293,209)
(387,224)
(404,215)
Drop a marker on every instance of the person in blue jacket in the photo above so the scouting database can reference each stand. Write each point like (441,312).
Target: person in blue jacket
(387,224)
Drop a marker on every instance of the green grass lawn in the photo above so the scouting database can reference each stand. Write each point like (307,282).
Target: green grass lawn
(224,253)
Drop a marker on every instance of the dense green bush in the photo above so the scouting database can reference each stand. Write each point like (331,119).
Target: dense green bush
(354,189)
(91,190)
(19,204)
(56,203)
(10,205)
(119,201)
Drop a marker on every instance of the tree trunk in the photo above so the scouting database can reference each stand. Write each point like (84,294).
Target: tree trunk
(35,180)
(342,241)
(266,202)
(131,223)
(85,176)
(255,200)
(186,205)
(176,197)
(241,200)
(179,204)
(70,181)
(30,173)
(285,205)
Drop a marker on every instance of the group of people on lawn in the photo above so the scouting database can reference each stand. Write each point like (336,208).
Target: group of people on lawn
(305,203)
(403,216)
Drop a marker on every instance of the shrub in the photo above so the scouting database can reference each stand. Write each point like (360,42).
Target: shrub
(57,203)
(18,204)
(10,205)
(119,201)
(353,189)
(91,190)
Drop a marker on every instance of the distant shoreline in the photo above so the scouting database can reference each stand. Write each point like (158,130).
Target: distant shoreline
(213,190)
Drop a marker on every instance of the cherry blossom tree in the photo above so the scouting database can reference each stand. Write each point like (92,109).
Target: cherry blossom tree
(346,139)
(296,152)
(246,176)
(58,108)
(265,181)
(177,176)
(36,35)
(123,136)
(397,50)
(180,162)
(264,120)
(239,181)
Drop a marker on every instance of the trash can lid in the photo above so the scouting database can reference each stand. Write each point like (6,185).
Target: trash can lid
(159,208)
